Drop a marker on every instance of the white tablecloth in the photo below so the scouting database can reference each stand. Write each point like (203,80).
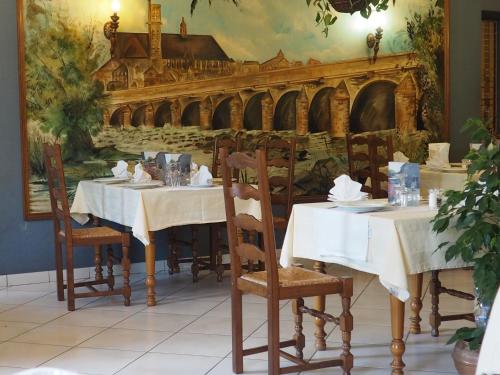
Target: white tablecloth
(391,244)
(149,210)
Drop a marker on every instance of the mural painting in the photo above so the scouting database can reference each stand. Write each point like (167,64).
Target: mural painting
(162,79)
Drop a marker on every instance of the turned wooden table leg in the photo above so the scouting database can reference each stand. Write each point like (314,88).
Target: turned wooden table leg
(397,327)
(150,269)
(320,333)
(416,302)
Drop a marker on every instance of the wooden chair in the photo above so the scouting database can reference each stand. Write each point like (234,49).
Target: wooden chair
(233,144)
(71,237)
(435,289)
(281,154)
(214,260)
(364,164)
(274,284)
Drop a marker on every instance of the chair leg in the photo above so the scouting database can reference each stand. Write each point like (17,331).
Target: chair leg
(195,266)
(172,260)
(97,263)
(111,278)
(435,317)
(237,330)
(70,275)
(346,325)
(219,267)
(300,341)
(273,337)
(126,274)
(59,271)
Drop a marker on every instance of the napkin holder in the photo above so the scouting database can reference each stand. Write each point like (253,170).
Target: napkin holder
(403,182)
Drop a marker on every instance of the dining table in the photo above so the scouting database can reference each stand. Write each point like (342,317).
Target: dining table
(395,243)
(147,209)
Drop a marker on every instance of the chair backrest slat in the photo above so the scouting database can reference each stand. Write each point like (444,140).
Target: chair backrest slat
(250,252)
(248,223)
(244,191)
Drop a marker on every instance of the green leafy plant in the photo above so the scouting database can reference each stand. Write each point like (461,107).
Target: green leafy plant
(326,14)
(475,213)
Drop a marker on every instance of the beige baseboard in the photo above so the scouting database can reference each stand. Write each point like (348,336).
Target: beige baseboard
(86,273)
(80,274)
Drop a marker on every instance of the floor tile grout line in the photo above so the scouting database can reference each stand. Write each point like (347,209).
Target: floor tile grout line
(174,333)
(68,313)
(104,328)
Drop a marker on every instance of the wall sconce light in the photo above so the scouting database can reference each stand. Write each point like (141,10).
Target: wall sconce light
(110,27)
(373,42)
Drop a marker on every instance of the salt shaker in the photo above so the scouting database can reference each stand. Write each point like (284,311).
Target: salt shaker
(433,199)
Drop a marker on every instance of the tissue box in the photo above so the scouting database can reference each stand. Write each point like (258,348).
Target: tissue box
(404,184)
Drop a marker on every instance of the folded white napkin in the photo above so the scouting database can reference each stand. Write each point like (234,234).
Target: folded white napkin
(140,175)
(439,155)
(121,170)
(202,177)
(346,189)
(400,157)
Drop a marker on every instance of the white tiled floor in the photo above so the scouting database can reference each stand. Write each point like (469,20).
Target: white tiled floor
(189,331)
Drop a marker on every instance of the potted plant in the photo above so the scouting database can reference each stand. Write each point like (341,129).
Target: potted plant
(475,213)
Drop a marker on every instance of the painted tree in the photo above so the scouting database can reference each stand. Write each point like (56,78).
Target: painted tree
(426,34)
(61,94)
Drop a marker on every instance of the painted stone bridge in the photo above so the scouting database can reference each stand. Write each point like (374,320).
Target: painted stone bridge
(308,98)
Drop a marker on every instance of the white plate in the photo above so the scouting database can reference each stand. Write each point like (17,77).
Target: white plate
(203,186)
(144,185)
(111,180)
(363,205)
(332,199)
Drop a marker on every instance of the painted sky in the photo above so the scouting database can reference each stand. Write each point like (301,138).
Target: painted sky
(259,28)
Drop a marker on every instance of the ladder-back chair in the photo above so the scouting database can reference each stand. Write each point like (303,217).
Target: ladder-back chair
(274,284)
(366,155)
(65,234)
(281,155)
(214,260)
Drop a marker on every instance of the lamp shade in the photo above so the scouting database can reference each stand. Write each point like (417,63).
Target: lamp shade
(115,6)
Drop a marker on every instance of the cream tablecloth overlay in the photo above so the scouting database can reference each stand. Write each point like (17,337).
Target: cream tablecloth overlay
(149,210)
(433,179)
(391,244)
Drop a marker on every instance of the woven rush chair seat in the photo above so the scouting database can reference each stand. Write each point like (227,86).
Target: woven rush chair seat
(297,278)
(92,236)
